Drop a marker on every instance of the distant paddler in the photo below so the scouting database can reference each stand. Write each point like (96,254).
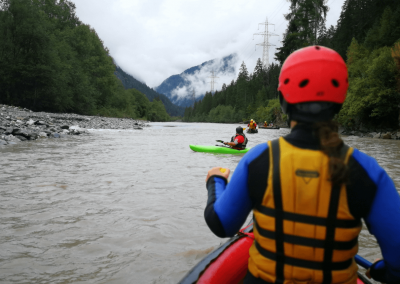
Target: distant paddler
(239,141)
(252,125)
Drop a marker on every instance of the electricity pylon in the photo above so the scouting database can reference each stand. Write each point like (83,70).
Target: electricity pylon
(212,81)
(265,44)
(193,97)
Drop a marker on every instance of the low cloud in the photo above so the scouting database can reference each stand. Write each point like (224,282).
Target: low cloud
(200,81)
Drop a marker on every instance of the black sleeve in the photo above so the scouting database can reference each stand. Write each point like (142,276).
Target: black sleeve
(210,216)
(360,190)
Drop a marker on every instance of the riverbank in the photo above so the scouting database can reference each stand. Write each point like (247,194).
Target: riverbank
(18,124)
(379,134)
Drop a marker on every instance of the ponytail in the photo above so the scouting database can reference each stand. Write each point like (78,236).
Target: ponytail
(331,144)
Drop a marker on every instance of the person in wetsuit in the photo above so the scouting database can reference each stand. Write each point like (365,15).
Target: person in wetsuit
(308,190)
(239,141)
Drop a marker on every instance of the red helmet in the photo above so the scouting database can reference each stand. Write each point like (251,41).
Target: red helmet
(313,74)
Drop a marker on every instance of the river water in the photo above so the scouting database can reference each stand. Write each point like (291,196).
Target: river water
(122,206)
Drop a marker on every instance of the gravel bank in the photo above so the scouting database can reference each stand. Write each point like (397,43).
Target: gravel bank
(18,125)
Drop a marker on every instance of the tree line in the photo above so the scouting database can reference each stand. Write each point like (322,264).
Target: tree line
(367,36)
(51,61)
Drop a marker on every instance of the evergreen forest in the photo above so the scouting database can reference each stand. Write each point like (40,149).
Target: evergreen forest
(367,36)
(51,61)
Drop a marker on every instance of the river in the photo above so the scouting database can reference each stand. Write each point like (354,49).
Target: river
(122,206)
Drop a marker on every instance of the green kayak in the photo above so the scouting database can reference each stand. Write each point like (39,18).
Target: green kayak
(217,149)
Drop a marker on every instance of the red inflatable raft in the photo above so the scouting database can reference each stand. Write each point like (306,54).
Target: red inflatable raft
(228,263)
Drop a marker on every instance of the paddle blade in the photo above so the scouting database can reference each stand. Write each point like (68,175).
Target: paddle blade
(220,141)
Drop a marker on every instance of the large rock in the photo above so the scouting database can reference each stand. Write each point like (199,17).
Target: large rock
(30,122)
(3,142)
(21,138)
(388,135)
(11,138)
(377,135)
(9,131)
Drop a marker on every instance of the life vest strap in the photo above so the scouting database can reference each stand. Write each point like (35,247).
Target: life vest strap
(303,241)
(303,263)
(276,186)
(312,220)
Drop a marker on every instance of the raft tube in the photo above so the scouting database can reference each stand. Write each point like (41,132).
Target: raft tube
(250,131)
(228,263)
(268,127)
(217,149)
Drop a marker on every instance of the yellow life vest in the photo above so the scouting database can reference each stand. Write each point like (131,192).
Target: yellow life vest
(304,231)
(252,126)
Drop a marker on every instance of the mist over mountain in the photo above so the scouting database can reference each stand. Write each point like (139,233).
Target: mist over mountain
(179,88)
(129,82)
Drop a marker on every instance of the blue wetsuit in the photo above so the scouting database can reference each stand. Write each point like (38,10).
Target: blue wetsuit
(371,196)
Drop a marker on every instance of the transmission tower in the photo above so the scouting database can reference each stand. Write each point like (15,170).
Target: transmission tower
(193,97)
(266,44)
(212,81)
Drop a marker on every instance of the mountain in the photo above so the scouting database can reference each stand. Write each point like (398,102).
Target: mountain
(179,88)
(129,82)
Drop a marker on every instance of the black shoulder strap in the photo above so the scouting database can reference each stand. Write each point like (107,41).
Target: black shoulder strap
(331,226)
(276,186)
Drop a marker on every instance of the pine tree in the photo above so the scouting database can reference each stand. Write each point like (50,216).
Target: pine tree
(305,20)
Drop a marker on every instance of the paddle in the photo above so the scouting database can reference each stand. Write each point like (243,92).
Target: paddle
(362,261)
(220,141)
(223,146)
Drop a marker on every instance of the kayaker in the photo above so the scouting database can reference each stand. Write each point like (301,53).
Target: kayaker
(239,141)
(308,190)
(265,124)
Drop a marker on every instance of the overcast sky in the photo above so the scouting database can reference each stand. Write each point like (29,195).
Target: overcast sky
(154,39)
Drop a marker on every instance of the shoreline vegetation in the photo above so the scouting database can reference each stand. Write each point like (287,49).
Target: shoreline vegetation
(20,124)
(50,61)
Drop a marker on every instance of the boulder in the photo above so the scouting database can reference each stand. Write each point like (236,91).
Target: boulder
(30,122)
(377,135)
(388,135)
(21,138)
(3,143)
(40,122)
(9,131)
(55,135)
(42,135)
(64,127)
(11,138)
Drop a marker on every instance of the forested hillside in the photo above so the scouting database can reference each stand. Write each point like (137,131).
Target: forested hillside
(367,35)
(51,61)
(129,82)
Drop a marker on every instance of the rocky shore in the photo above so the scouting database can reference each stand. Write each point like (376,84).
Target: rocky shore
(381,134)
(17,124)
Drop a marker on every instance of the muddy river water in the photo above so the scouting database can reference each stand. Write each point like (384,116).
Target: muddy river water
(122,206)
